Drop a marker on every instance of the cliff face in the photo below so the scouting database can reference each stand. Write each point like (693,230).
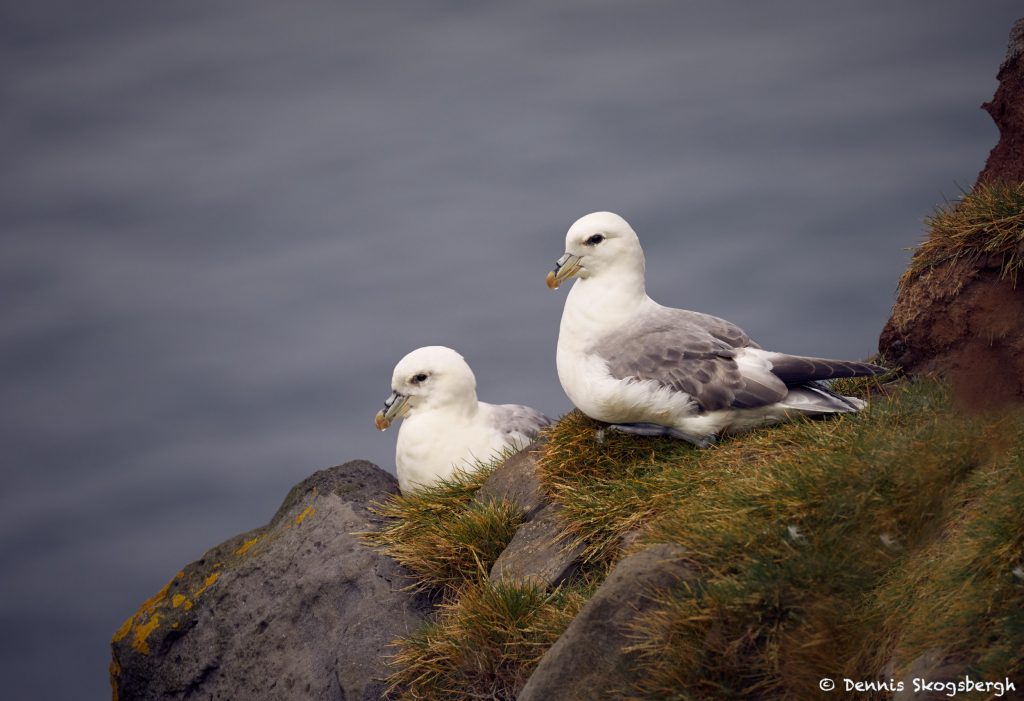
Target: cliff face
(1006,161)
(960,310)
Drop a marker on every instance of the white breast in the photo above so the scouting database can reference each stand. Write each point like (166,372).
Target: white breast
(432,445)
(585,377)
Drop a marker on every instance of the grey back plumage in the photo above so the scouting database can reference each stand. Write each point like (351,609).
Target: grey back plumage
(695,353)
(518,419)
(689,352)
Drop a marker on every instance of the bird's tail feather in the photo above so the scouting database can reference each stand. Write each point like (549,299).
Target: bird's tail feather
(815,398)
(796,370)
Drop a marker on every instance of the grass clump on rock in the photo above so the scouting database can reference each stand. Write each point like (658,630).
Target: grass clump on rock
(442,535)
(985,222)
(485,643)
(610,483)
(844,547)
(805,536)
(485,637)
(964,591)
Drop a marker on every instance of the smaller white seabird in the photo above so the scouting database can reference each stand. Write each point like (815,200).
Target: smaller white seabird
(446,427)
(626,360)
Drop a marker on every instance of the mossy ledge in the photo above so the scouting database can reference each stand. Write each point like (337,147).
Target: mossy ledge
(846,547)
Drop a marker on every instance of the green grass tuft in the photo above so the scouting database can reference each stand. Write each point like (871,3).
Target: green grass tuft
(987,221)
(609,482)
(485,644)
(964,591)
(442,535)
(793,550)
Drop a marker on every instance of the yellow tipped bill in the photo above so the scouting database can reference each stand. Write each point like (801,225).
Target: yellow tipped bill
(395,407)
(565,267)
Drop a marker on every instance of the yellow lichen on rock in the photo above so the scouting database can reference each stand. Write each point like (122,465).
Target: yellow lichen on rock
(150,604)
(115,673)
(142,633)
(146,619)
(123,630)
(246,546)
(207,584)
(148,612)
(306,513)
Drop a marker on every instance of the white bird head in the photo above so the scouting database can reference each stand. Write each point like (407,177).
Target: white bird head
(431,377)
(598,244)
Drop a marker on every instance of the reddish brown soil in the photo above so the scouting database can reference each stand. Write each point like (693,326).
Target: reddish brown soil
(966,324)
(1006,161)
(961,320)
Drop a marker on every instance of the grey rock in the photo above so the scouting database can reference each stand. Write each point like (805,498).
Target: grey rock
(516,481)
(933,666)
(296,609)
(629,539)
(538,551)
(589,660)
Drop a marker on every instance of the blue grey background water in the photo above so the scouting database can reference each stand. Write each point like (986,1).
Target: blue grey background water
(224,222)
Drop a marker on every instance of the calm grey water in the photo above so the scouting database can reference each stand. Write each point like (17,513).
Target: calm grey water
(224,222)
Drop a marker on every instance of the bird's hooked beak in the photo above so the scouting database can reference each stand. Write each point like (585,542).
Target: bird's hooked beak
(565,267)
(395,407)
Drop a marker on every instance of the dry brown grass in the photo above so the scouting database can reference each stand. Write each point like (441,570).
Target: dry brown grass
(442,535)
(485,643)
(986,222)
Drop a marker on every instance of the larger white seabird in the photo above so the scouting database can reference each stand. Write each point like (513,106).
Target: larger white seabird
(626,360)
(446,427)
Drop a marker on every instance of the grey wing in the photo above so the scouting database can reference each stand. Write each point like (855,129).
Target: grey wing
(720,329)
(690,359)
(518,419)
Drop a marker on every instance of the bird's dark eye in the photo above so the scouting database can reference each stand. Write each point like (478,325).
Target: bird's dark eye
(416,379)
(595,239)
